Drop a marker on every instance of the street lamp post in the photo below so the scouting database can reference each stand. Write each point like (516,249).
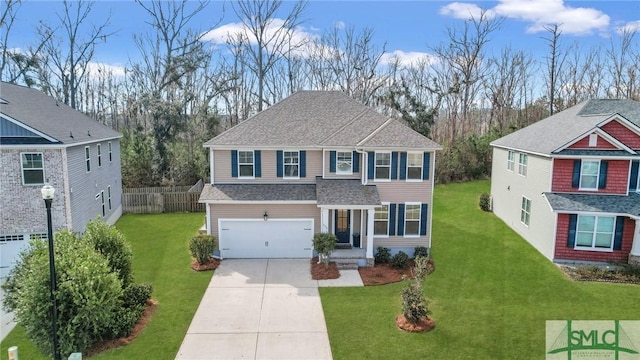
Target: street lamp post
(47,195)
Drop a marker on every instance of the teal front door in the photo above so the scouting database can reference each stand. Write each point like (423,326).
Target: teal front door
(343,225)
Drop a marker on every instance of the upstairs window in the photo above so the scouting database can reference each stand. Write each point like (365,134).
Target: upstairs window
(110,151)
(414,166)
(522,164)
(87,158)
(32,168)
(383,166)
(511,159)
(99,149)
(344,162)
(245,164)
(291,164)
(589,172)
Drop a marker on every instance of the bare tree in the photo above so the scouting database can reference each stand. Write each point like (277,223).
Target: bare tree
(68,56)
(623,71)
(265,37)
(555,64)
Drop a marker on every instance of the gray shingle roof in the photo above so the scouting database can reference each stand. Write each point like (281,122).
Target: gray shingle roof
(396,134)
(317,119)
(258,192)
(616,204)
(584,152)
(345,192)
(550,134)
(35,109)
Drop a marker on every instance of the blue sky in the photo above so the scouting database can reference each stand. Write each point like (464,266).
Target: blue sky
(407,26)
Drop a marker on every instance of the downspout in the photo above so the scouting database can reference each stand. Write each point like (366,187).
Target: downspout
(365,164)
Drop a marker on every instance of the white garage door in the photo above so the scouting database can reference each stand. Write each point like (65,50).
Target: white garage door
(251,238)
(10,247)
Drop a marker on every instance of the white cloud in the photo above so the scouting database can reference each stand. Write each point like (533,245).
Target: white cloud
(632,26)
(339,25)
(223,34)
(408,59)
(95,69)
(538,13)
(459,10)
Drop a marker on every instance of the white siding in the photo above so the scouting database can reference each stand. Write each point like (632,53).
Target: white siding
(507,190)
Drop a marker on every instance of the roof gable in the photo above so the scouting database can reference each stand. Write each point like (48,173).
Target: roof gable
(623,132)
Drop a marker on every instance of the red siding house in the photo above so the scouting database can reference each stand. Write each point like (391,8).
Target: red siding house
(569,183)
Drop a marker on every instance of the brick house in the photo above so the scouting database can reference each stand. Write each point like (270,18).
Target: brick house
(42,140)
(568,184)
(319,161)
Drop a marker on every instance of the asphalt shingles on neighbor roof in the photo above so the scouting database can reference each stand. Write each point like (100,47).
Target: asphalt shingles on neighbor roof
(346,192)
(35,109)
(258,192)
(316,119)
(549,134)
(615,204)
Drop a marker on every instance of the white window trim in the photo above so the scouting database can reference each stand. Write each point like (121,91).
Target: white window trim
(99,151)
(350,172)
(523,165)
(388,221)
(511,162)
(284,165)
(597,176)
(523,210)
(595,226)
(87,159)
(253,164)
(421,167)
(375,166)
(22,169)
(110,146)
(419,219)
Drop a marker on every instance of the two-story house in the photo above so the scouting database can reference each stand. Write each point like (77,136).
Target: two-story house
(319,161)
(43,140)
(569,183)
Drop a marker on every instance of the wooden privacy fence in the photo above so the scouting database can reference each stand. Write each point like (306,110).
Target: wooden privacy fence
(151,200)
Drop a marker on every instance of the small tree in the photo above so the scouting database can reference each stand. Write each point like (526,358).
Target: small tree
(414,304)
(111,244)
(202,247)
(324,243)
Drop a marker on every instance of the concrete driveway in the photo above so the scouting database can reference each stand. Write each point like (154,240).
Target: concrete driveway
(259,309)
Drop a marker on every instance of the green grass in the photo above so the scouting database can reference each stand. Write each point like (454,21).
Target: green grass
(490,294)
(161,257)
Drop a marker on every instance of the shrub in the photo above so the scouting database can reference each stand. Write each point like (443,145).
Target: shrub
(400,260)
(414,305)
(89,294)
(420,251)
(202,247)
(383,255)
(485,202)
(109,242)
(136,294)
(324,243)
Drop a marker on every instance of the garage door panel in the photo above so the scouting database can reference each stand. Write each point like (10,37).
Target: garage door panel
(266,239)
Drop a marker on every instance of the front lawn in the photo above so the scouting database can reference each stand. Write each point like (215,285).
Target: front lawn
(491,294)
(161,257)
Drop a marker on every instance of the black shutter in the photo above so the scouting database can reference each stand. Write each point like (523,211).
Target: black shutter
(602,180)
(356,162)
(633,179)
(279,161)
(392,219)
(394,165)
(371,164)
(332,161)
(426,163)
(403,165)
(257,163)
(617,237)
(577,165)
(423,220)
(400,219)
(303,164)
(573,224)
(234,163)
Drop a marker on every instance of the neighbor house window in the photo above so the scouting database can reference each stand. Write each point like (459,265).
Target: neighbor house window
(110,151)
(595,232)
(87,157)
(381,221)
(511,159)
(522,165)
(589,171)
(383,166)
(412,220)
(245,163)
(291,164)
(414,166)
(104,212)
(525,211)
(344,162)
(32,168)
(109,196)
(99,149)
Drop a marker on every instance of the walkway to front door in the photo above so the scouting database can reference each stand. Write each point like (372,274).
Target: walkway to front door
(343,225)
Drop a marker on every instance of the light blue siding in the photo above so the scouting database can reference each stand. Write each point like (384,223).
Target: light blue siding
(9,129)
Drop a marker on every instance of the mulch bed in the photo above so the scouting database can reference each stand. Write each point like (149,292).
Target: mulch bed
(102,346)
(610,276)
(318,271)
(211,265)
(425,324)
(382,274)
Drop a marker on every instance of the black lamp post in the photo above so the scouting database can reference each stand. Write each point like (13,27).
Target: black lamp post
(47,194)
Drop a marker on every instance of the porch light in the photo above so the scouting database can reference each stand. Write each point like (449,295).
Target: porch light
(265,215)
